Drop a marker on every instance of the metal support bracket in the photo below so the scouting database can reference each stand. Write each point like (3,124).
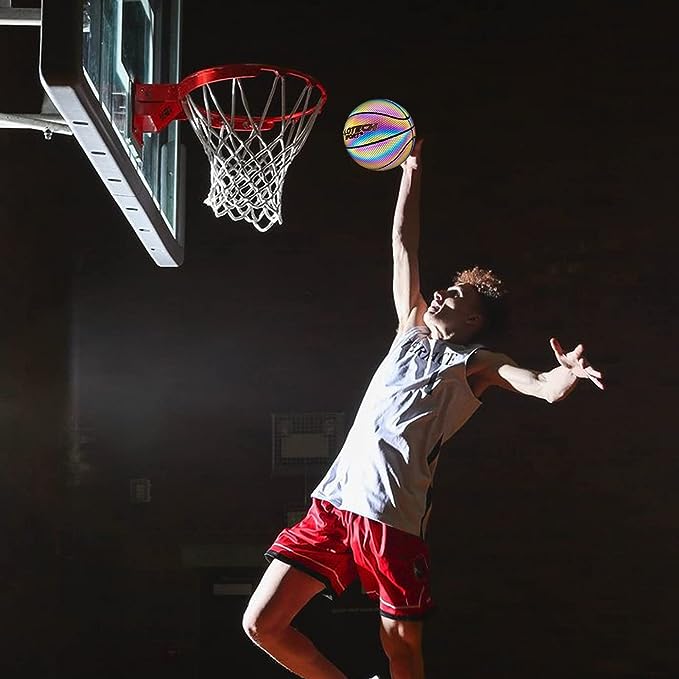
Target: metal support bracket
(48,121)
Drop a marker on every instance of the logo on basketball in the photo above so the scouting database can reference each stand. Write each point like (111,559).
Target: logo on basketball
(359,130)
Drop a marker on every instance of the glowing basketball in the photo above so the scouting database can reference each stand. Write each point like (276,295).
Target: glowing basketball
(379,134)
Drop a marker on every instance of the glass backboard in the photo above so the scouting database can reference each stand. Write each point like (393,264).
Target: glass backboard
(91,53)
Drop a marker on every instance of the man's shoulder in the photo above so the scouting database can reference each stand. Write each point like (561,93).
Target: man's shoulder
(414,319)
(484,360)
(409,331)
(483,369)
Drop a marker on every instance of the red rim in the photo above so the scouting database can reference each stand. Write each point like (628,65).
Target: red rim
(220,73)
(157,105)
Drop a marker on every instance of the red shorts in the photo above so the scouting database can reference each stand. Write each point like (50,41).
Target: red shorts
(336,547)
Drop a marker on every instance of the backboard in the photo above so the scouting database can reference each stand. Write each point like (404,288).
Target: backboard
(91,54)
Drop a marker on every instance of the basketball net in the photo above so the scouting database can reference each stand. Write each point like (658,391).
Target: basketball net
(249,155)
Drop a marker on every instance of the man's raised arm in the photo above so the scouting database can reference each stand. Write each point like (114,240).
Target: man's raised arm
(410,305)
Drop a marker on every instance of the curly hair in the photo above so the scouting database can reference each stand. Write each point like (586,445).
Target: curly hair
(493,293)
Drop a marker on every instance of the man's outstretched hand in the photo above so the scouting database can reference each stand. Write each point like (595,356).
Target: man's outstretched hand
(576,362)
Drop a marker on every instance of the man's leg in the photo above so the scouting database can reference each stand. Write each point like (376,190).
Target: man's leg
(402,642)
(280,595)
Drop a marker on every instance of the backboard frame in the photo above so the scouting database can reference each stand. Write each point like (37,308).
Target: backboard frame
(64,79)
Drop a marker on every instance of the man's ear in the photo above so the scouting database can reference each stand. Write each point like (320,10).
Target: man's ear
(475,319)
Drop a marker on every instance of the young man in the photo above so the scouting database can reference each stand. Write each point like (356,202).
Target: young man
(369,513)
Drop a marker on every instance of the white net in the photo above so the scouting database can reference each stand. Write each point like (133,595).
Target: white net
(250,153)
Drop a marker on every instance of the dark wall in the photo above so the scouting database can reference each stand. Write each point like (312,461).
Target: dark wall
(35,303)
(549,155)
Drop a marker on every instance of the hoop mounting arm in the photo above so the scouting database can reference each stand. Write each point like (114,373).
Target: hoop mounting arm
(155,107)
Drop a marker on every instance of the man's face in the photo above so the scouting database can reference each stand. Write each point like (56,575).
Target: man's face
(455,313)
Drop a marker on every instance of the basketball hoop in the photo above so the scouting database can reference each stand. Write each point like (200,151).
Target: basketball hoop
(249,153)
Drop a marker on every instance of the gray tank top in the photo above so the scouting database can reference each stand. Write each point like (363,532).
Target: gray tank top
(417,399)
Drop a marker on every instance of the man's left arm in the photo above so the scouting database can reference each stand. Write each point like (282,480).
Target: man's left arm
(492,369)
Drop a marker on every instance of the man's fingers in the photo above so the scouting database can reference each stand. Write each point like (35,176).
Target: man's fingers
(596,381)
(556,347)
(594,376)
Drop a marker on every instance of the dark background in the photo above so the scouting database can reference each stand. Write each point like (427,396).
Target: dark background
(550,155)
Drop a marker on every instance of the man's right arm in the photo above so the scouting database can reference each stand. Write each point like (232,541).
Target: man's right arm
(405,239)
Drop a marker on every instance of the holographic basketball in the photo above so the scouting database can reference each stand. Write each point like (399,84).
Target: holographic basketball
(379,134)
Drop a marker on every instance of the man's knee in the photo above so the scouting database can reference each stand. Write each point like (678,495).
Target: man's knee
(401,639)
(282,592)
(259,627)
